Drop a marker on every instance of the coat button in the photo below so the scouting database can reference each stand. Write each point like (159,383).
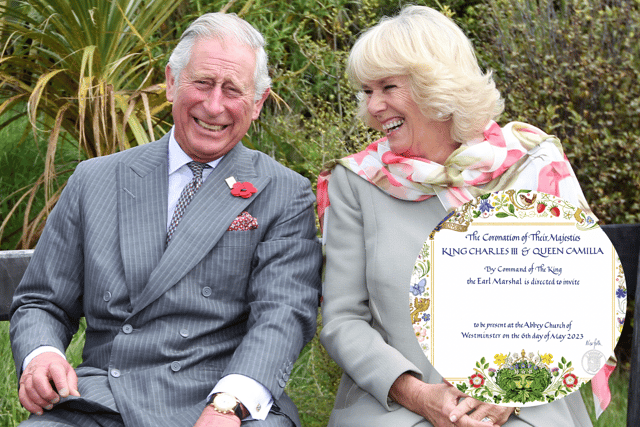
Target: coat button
(127,329)
(206,291)
(282,382)
(107,296)
(184,333)
(115,373)
(175,366)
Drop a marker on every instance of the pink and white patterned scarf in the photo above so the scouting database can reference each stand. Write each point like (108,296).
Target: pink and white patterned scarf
(518,156)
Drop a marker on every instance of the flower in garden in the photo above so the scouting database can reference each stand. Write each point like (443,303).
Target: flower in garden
(476,380)
(421,333)
(243,189)
(547,359)
(570,380)
(499,359)
(418,288)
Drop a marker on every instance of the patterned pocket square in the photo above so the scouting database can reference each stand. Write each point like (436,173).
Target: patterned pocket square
(243,222)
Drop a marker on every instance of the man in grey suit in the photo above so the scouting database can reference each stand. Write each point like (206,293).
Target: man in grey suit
(196,305)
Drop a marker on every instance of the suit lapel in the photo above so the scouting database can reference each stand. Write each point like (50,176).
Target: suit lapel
(142,201)
(205,221)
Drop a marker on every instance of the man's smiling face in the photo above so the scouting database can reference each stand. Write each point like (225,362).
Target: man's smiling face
(213,103)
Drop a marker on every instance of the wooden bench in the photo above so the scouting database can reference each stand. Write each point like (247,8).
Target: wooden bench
(12,267)
(624,237)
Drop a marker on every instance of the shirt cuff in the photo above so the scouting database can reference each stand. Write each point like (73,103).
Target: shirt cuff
(253,395)
(38,351)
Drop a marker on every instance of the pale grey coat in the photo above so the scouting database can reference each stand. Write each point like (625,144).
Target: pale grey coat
(165,325)
(372,242)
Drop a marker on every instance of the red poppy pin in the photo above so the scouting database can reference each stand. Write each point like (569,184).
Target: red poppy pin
(243,189)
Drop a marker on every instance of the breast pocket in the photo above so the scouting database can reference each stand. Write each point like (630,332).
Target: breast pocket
(228,265)
(238,238)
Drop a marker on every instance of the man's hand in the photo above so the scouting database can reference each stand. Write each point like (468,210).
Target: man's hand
(37,382)
(212,418)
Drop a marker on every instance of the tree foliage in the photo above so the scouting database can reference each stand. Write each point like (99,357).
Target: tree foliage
(572,68)
(85,70)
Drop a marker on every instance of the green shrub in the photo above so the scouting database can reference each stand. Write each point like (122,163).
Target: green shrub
(572,67)
(85,68)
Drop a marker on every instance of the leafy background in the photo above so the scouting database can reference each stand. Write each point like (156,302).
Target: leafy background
(82,78)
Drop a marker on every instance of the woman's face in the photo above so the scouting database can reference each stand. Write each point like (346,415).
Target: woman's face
(394,112)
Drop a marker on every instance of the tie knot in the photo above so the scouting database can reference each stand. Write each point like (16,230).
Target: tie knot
(196,168)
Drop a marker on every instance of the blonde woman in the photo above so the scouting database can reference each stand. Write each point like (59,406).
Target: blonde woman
(422,87)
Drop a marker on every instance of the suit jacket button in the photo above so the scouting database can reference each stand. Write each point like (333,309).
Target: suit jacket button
(206,291)
(127,329)
(115,373)
(175,366)
(184,333)
(107,296)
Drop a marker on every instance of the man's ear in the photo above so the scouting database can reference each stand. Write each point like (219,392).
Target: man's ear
(259,103)
(170,81)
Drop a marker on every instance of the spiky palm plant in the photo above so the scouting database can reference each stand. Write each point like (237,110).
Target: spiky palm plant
(88,71)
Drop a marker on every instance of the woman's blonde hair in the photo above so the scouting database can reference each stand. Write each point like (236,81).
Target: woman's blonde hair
(446,80)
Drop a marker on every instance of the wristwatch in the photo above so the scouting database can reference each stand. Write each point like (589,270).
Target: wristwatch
(225,403)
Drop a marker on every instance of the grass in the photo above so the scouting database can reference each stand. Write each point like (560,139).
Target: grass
(616,413)
(312,387)
(11,413)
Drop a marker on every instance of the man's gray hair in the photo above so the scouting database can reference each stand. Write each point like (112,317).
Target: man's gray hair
(222,26)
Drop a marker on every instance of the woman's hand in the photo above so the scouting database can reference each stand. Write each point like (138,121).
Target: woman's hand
(443,405)
(468,410)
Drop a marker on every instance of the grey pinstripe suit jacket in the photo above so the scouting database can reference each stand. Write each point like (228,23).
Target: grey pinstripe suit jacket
(165,325)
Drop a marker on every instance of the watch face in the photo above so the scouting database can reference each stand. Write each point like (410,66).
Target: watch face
(224,402)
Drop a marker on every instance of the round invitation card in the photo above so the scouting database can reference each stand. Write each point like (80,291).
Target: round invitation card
(517,298)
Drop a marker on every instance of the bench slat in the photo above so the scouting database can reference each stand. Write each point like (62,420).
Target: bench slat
(12,267)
